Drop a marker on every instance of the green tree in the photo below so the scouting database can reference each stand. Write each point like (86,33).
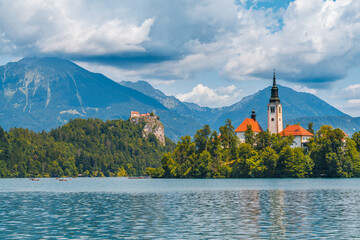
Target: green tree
(263,140)
(356,138)
(269,161)
(352,159)
(249,135)
(205,168)
(170,166)
(201,138)
(293,163)
(310,128)
(327,152)
(214,147)
(155,172)
(228,137)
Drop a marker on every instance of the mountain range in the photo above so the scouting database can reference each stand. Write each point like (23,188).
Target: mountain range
(44,93)
(298,107)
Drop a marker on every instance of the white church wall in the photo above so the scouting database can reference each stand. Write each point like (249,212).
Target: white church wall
(296,142)
(241,136)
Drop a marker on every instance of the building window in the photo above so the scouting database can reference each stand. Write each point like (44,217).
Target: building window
(279,109)
(272,119)
(279,119)
(272,109)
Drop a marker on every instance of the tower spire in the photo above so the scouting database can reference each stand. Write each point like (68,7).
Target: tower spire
(274,79)
(274,91)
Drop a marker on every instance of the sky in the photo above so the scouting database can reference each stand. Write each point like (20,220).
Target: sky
(211,52)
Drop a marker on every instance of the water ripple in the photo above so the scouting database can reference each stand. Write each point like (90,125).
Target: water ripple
(207,214)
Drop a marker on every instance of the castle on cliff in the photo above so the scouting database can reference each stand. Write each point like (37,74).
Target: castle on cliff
(152,125)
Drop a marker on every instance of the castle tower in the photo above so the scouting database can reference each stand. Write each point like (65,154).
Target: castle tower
(275,121)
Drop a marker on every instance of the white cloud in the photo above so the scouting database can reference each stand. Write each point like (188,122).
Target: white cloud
(301,88)
(354,102)
(353,88)
(351,107)
(42,26)
(316,43)
(349,93)
(114,73)
(352,91)
(309,41)
(205,96)
(110,37)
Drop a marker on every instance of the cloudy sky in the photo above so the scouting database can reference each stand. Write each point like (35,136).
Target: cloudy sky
(211,52)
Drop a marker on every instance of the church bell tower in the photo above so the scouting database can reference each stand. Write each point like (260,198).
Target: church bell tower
(275,120)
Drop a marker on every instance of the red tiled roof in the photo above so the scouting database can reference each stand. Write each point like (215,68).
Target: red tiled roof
(248,121)
(295,130)
(134,112)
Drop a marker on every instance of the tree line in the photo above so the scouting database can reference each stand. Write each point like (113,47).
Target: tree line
(85,147)
(211,155)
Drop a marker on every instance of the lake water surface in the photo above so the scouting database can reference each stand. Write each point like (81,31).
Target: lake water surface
(119,208)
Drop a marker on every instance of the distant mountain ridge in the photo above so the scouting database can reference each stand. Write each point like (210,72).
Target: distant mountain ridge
(44,93)
(297,107)
(54,82)
(183,108)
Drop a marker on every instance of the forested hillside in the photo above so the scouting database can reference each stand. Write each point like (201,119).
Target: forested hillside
(89,147)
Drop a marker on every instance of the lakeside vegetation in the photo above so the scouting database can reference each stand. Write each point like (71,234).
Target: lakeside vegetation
(92,147)
(212,155)
(89,147)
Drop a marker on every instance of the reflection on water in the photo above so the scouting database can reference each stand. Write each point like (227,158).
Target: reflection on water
(307,213)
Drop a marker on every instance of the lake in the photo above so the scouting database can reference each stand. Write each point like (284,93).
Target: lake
(120,208)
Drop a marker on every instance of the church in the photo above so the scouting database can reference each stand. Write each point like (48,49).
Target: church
(275,121)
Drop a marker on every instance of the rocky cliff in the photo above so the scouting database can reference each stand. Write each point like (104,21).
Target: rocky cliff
(152,125)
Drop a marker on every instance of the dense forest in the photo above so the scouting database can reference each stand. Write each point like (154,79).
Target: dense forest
(91,147)
(211,155)
(82,147)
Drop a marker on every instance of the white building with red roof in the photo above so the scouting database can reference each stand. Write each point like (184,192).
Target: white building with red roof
(301,135)
(241,129)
